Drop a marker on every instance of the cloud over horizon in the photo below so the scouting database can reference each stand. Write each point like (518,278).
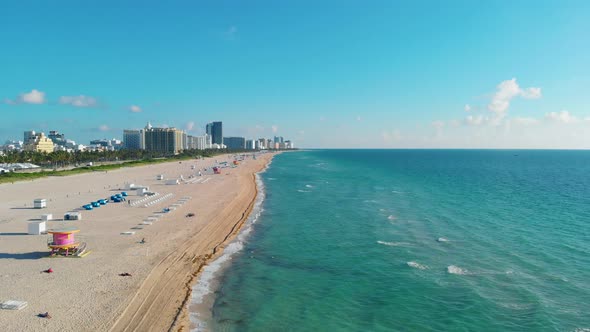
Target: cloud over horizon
(505,92)
(78,101)
(135,109)
(33,97)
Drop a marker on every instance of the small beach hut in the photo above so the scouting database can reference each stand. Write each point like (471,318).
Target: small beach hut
(40,203)
(216,170)
(160,177)
(36,227)
(46,217)
(172,182)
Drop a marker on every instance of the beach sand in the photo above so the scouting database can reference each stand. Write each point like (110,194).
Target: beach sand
(87,294)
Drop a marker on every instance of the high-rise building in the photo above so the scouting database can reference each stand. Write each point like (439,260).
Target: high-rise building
(28,135)
(57,138)
(250,144)
(133,139)
(235,143)
(39,143)
(202,142)
(165,140)
(215,130)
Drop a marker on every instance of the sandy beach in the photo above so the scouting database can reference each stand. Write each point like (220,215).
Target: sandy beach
(88,293)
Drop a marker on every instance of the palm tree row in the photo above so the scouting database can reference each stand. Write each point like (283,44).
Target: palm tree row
(63,158)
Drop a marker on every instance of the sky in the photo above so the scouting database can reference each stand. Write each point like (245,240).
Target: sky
(326,74)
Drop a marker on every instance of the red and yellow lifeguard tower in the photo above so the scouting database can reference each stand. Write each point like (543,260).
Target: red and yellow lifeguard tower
(64,243)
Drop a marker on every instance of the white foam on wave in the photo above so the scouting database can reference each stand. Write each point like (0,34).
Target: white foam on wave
(205,284)
(442,239)
(397,192)
(417,265)
(391,217)
(453,269)
(393,244)
(308,186)
(303,191)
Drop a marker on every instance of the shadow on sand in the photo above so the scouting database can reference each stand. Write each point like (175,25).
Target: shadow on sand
(23,208)
(11,234)
(26,255)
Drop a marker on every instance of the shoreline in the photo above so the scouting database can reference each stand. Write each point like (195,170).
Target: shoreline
(94,296)
(182,321)
(199,309)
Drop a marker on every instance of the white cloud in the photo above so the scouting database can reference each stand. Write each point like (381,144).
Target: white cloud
(531,93)
(135,109)
(476,120)
(78,101)
(467,108)
(275,129)
(33,97)
(189,126)
(104,128)
(505,92)
(562,117)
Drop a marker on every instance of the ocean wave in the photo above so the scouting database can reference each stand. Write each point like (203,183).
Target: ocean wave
(442,239)
(303,191)
(452,269)
(391,217)
(205,283)
(417,266)
(393,244)
(308,186)
(397,192)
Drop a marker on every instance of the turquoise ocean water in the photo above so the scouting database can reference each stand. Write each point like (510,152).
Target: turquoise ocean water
(414,240)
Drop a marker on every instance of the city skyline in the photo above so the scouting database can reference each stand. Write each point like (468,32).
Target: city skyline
(383,75)
(157,139)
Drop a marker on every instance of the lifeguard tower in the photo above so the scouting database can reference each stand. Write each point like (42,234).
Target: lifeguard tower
(62,242)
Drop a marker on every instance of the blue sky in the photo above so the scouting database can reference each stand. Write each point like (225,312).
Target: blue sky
(455,74)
